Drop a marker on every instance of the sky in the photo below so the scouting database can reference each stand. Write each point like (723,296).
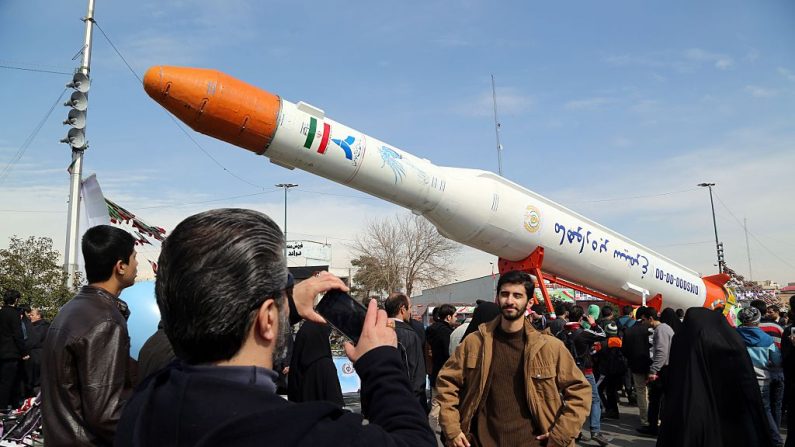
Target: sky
(616,110)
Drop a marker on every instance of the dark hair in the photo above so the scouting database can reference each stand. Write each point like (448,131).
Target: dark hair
(539,308)
(11,296)
(393,304)
(775,308)
(435,313)
(680,313)
(607,311)
(759,304)
(560,308)
(575,314)
(103,246)
(445,310)
(215,270)
(517,277)
(626,310)
(651,313)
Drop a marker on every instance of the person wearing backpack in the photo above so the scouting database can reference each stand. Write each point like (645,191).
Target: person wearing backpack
(580,342)
(636,346)
(612,366)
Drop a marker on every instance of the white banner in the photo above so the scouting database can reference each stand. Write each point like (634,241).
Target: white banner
(309,250)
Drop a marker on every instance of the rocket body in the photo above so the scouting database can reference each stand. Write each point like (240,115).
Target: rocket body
(474,207)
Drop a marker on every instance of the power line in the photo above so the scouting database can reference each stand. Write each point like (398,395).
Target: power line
(21,151)
(37,70)
(615,199)
(309,191)
(118,52)
(685,243)
(207,201)
(174,120)
(787,263)
(173,205)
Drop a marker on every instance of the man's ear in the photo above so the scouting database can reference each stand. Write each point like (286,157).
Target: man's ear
(120,267)
(267,317)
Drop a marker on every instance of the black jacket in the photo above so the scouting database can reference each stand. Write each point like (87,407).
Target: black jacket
(415,359)
(636,347)
(155,354)
(85,373)
(712,398)
(313,375)
(12,342)
(185,406)
(788,355)
(36,337)
(584,340)
(438,337)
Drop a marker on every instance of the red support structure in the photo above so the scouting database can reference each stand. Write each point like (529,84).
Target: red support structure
(655,302)
(532,264)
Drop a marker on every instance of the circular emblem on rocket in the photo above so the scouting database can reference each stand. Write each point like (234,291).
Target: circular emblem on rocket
(532,219)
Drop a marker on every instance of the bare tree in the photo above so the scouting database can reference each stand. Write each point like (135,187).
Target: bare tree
(404,251)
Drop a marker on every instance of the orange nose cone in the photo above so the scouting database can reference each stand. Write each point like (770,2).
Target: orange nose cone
(216,104)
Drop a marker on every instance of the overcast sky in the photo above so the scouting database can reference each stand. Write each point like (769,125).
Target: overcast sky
(614,109)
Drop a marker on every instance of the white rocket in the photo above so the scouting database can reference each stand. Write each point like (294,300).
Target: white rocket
(474,207)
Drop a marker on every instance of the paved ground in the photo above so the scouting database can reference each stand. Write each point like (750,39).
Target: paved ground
(622,430)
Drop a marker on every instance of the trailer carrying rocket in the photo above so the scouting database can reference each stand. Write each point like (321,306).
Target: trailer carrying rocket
(476,208)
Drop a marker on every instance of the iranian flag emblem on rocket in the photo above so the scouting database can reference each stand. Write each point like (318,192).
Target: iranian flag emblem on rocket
(311,134)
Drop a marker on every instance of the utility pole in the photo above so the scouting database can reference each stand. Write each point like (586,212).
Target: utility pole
(496,127)
(718,245)
(77,140)
(286,186)
(748,250)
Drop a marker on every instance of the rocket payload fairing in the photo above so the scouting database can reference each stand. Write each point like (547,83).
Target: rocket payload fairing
(474,207)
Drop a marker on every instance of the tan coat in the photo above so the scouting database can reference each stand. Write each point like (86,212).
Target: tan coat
(550,372)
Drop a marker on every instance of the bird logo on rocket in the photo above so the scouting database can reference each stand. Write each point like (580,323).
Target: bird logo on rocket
(532,219)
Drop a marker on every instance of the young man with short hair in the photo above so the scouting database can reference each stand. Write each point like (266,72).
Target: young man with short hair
(439,338)
(398,308)
(506,383)
(85,376)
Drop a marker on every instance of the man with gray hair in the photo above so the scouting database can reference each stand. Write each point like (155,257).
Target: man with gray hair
(220,288)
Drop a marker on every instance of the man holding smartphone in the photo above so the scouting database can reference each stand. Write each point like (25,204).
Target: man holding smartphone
(221,292)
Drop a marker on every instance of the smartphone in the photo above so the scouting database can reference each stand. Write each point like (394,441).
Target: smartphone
(343,312)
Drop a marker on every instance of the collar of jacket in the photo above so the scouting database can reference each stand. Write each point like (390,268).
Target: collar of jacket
(110,298)
(534,339)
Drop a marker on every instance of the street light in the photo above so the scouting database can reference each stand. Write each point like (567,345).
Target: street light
(286,186)
(718,245)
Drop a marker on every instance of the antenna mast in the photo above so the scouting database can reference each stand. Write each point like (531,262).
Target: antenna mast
(496,126)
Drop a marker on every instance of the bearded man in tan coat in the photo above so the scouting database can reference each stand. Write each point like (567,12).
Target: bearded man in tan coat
(507,384)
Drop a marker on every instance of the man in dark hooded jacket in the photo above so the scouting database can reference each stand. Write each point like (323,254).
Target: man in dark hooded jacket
(220,288)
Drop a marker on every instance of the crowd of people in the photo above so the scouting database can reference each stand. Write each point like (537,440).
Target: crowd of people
(22,334)
(515,374)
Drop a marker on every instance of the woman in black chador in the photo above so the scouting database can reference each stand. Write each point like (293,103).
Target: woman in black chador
(312,375)
(711,398)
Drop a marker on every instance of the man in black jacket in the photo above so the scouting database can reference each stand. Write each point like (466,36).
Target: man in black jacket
(398,308)
(12,349)
(438,337)
(85,376)
(35,345)
(220,288)
(636,348)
